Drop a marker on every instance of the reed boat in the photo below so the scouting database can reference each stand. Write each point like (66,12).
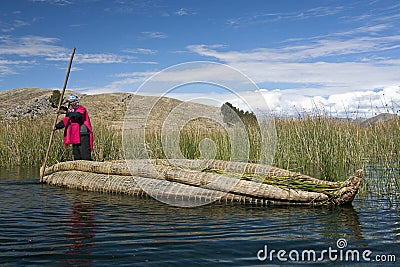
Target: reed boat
(203,181)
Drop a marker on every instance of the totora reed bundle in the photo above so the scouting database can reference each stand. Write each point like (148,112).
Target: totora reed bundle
(203,180)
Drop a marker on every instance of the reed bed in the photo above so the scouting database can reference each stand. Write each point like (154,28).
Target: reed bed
(331,149)
(24,143)
(322,147)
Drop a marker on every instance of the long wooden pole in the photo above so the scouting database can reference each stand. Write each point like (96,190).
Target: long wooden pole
(42,169)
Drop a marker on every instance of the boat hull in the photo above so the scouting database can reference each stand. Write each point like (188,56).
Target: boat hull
(184,181)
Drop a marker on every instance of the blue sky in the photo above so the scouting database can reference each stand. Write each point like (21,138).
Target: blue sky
(340,56)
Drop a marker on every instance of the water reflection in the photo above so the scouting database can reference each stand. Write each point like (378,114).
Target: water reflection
(19,172)
(384,182)
(343,222)
(351,221)
(81,236)
(47,225)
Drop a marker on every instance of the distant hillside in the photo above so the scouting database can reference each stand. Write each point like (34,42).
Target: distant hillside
(34,102)
(379,118)
(24,102)
(111,107)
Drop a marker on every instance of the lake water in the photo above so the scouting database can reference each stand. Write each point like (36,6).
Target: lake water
(43,225)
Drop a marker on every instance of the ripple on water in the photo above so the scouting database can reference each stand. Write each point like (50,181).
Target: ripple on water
(45,225)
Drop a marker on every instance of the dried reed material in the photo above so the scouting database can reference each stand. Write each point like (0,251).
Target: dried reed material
(193,183)
(127,185)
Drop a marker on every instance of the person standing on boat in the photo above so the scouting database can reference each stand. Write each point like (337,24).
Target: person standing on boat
(77,129)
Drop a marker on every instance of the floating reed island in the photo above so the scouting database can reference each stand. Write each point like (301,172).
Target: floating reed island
(203,181)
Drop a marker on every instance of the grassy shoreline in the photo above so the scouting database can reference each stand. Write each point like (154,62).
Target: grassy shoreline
(321,147)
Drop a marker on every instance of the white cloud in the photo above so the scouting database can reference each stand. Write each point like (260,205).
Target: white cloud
(139,75)
(295,102)
(127,82)
(330,65)
(14,62)
(196,71)
(144,51)
(308,50)
(351,104)
(54,2)
(124,85)
(263,18)
(12,25)
(182,12)
(100,58)
(206,74)
(30,46)
(282,102)
(320,75)
(153,35)
(5,70)
(38,46)
(92,58)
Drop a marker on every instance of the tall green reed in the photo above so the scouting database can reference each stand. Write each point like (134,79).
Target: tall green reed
(25,141)
(330,148)
(107,141)
(319,146)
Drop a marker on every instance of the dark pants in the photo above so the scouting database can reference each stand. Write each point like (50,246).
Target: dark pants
(82,150)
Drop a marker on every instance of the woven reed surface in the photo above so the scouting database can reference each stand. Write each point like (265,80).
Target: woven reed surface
(118,176)
(108,183)
(121,168)
(247,168)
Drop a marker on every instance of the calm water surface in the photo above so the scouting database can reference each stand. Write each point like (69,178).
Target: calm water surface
(43,225)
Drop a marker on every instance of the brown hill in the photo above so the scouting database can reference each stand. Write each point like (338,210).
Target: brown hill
(24,102)
(112,107)
(383,117)
(33,102)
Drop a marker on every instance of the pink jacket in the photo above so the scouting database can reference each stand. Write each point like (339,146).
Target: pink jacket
(72,128)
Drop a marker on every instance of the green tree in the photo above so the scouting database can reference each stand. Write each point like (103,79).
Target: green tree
(232,115)
(55,98)
(229,113)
